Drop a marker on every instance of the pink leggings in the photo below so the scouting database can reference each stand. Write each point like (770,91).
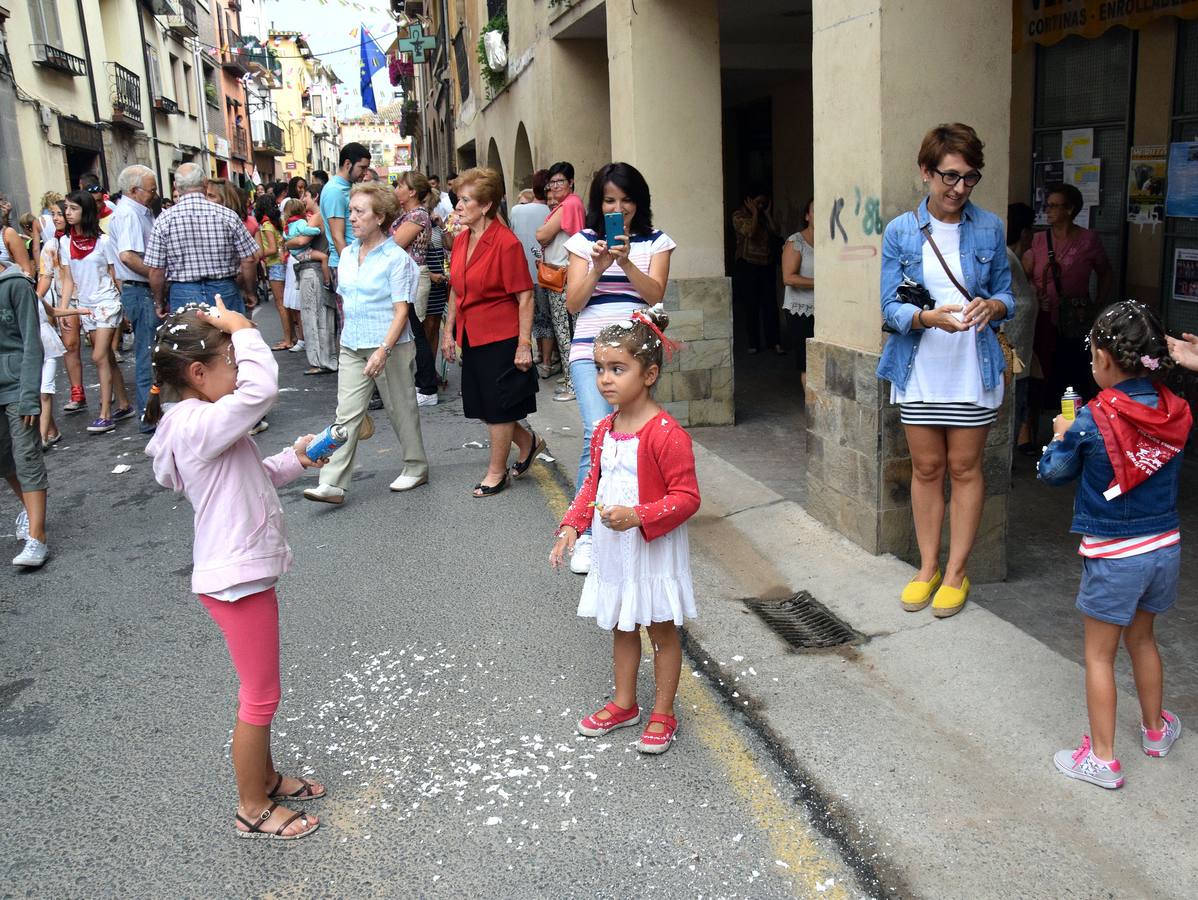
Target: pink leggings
(251,628)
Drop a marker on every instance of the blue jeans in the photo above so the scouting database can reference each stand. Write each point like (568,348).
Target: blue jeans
(183,292)
(139,310)
(591,406)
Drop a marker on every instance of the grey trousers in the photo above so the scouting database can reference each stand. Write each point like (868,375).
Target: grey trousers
(320,321)
(397,387)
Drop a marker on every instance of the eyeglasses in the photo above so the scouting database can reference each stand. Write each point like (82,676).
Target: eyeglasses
(951,178)
(558,182)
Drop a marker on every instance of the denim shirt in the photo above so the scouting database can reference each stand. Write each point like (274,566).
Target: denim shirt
(1149,508)
(986,274)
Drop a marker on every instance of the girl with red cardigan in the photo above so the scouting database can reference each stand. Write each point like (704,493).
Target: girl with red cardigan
(642,485)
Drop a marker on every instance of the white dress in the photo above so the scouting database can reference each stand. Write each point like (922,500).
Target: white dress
(633,581)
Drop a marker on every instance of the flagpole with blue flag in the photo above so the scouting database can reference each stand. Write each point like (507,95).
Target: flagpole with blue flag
(373,59)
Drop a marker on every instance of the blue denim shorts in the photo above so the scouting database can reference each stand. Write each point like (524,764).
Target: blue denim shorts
(276,272)
(1114,590)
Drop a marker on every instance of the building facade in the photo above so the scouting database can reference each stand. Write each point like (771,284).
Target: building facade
(99,85)
(818,101)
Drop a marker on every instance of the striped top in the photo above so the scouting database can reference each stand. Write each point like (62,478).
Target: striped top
(1120,548)
(614,298)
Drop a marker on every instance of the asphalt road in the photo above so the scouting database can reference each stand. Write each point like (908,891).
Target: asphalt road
(433,668)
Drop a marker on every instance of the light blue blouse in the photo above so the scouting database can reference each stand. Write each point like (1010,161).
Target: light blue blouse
(370,291)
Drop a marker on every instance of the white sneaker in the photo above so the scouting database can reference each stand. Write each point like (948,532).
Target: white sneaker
(563,396)
(297,346)
(407,482)
(22,526)
(325,493)
(580,561)
(260,427)
(33,556)
(426,399)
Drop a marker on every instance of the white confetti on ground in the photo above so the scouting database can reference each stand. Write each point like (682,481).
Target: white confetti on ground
(121,469)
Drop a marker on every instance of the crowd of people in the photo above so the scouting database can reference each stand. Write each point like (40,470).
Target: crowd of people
(373,280)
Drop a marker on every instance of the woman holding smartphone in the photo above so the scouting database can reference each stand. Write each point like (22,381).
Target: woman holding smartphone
(611,276)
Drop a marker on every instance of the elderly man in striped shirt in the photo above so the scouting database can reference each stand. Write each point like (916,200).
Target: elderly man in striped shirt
(199,248)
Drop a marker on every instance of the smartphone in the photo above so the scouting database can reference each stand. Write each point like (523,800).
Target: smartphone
(613,226)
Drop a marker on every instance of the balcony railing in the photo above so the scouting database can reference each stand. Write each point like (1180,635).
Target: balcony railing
(160,7)
(125,94)
(166,105)
(263,60)
(268,137)
(50,57)
(234,56)
(184,22)
(239,143)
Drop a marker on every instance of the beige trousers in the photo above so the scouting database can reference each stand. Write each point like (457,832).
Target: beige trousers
(397,387)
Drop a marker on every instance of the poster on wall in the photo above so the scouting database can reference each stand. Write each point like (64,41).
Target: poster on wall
(1044,174)
(1185,275)
(1146,179)
(1087,178)
(1181,193)
(1077,145)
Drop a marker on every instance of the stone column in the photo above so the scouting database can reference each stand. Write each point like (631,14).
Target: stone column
(664,77)
(884,72)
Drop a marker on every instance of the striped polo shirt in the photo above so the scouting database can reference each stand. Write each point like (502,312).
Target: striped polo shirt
(614,298)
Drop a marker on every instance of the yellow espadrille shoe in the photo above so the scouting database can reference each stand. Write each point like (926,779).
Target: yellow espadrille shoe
(918,594)
(950,600)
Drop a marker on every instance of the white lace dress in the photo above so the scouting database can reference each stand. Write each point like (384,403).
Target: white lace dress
(633,581)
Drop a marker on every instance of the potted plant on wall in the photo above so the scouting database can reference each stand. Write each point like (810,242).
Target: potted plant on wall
(492,53)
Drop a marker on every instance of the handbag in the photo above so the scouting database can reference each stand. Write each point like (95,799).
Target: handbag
(549,276)
(1075,315)
(1004,343)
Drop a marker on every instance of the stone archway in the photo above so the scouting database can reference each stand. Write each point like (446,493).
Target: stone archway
(522,165)
(495,161)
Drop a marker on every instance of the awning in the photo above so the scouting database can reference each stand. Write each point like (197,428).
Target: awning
(1049,21)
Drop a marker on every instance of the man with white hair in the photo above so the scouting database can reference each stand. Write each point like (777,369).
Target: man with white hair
(200,247)
(128,234)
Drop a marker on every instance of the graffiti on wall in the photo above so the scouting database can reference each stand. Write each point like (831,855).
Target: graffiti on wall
(865,218)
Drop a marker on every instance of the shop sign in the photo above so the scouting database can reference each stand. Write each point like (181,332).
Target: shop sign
(290,167)
(220,146)
(75,133)
(1049,21)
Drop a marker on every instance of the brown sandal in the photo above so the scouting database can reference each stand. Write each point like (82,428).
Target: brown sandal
(255,826)
(306,791)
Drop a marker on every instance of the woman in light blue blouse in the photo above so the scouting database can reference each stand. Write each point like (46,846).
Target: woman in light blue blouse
(376,280)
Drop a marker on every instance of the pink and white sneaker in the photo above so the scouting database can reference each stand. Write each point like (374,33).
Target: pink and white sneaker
(1157,743)
(592,726)
(1083,765)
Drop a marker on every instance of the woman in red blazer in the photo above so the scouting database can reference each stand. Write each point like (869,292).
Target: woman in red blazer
(490,318)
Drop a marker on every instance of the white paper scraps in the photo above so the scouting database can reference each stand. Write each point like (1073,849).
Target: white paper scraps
(121,469)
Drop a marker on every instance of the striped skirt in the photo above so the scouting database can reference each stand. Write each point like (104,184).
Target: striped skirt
(947,415)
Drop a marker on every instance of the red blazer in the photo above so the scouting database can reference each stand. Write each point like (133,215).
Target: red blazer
(487,285)
(668,492)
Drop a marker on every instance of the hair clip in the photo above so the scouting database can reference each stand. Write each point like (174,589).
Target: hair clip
(154,390)
(1150,362)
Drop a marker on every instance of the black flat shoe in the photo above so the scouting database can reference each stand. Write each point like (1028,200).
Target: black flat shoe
(521,468)
(490,490)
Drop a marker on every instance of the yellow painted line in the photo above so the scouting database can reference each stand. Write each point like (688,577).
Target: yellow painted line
(791,838)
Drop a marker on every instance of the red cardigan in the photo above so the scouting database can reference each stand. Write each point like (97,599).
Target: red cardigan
(665,472)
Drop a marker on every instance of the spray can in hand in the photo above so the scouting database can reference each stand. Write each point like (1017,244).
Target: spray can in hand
(1070,401)
(327,442)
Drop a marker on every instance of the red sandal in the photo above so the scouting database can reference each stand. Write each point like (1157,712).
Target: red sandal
(592,726)
(654,742)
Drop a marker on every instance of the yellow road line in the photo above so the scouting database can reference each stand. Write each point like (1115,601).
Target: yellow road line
(792,839)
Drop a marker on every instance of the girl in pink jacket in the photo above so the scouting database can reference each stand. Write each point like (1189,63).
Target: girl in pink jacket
(224,377)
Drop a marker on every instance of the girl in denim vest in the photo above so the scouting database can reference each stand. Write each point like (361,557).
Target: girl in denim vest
(1125,449)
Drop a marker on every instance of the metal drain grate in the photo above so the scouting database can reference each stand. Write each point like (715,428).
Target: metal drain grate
(803,622)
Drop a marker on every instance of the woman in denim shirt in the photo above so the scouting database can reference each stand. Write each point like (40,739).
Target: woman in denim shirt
(944,363)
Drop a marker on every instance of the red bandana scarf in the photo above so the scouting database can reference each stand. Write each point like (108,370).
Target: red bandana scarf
(81,247)
(1139,439)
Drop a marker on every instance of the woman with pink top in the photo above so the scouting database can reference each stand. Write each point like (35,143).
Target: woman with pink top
(214,363)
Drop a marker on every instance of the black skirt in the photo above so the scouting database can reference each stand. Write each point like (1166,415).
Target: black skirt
(481,370)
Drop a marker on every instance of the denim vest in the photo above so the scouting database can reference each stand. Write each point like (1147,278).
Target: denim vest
(986,274)
(1149,508)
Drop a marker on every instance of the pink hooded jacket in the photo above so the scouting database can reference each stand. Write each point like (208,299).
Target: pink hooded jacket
(204,450)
